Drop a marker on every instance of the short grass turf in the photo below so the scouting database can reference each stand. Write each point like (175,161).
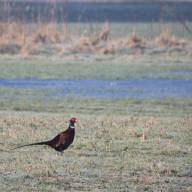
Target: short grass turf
(86,66)
(110,153)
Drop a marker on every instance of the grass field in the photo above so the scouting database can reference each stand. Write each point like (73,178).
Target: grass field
(110,153)
(148,30)
(87,66)
(120,145)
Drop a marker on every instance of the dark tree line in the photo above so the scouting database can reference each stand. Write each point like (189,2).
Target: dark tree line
(90,12)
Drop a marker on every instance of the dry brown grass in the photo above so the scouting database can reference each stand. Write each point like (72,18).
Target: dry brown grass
(167,39)
(18,38)
(135,41)
(47,34)
(14,39)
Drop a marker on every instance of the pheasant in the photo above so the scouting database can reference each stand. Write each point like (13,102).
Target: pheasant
(61,141)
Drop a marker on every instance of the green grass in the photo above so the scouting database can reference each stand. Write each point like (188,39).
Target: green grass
(41,100)
(147,30)
(109,153)
(94,67)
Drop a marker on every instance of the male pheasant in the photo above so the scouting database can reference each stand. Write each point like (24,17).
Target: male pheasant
(61,141)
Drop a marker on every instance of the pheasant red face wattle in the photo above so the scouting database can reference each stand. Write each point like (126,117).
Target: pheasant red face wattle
(73,120)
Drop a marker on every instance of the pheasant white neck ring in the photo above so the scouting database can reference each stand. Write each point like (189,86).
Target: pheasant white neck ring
(72,123)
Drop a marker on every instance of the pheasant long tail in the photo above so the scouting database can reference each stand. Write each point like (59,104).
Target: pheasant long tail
(31,144)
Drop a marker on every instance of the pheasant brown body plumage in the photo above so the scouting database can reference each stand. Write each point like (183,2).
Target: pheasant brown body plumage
(61,141)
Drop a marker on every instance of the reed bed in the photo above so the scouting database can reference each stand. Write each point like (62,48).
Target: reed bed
(51,38)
